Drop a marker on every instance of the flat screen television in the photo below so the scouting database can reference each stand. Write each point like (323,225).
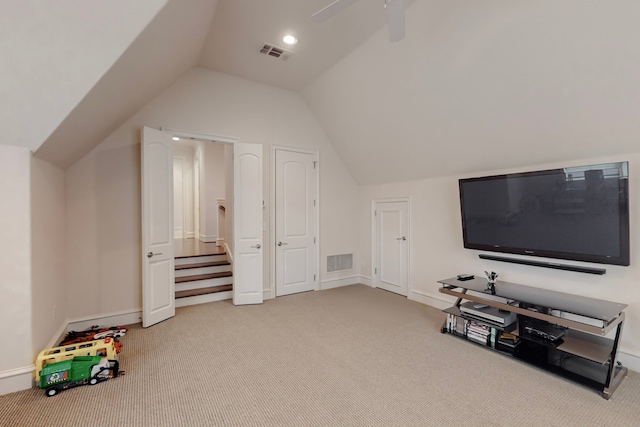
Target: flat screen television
(577,213)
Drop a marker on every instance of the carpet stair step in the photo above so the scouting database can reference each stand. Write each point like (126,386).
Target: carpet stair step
(197,277)
(203,281)
(186,260)
(203,291)
(202,264)
(204,268)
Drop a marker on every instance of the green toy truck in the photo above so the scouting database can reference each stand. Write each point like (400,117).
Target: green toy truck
(80,370)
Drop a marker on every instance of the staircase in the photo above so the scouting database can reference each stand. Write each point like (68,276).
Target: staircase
(202,278)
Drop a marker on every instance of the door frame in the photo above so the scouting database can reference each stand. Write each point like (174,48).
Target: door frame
(235,142)
(196,195)
(374,203)
(204,138)
(272,214)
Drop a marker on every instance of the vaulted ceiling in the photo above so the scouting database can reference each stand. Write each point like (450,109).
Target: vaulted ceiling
(473,86)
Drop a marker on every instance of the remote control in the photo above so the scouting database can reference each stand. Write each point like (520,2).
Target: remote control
(465,276)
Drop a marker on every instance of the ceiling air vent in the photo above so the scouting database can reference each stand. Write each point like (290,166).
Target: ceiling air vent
(275,51)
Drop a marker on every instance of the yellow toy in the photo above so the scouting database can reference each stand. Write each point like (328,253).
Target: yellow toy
(105,348)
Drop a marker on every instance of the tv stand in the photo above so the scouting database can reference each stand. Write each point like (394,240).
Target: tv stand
(561,333)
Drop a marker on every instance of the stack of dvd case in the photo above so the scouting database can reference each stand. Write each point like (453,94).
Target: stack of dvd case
(478,332)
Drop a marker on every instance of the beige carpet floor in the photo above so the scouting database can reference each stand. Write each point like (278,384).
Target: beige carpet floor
(352,356)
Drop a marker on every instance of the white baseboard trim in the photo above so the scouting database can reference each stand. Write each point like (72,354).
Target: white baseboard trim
(189,235)
(22,378)
(111,319)
(366,281)
(229,253)
(17,379)
(631,361)
(220,241)
(266,294)
(345,281)
(208,239)
(424,298)
(201,299)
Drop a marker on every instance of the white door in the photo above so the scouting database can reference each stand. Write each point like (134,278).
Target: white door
(158,286)
(391,246)
(247,224)
(295,216)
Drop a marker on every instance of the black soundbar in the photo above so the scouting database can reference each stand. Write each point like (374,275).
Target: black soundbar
(567,267)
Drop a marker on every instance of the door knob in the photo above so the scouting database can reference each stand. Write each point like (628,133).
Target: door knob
(282,244)
(401,238)
(150,254)
(258,246)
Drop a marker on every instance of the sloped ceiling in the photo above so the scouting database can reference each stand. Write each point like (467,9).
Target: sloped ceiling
(53,52)
(488,85)
(168,47)
(241,27)
(474,85)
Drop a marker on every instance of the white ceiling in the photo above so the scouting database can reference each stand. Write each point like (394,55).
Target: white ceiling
(168,47)
(53,52)
(481,86)
(223,35)
(473,86)
(240,27)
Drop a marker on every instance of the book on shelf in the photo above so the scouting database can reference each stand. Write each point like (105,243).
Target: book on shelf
(508,340)
(480,339)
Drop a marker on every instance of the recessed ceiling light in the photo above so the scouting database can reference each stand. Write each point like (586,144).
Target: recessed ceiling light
(175,138)
(289,39)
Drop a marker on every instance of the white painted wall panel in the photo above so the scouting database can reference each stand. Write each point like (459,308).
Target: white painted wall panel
(15,258)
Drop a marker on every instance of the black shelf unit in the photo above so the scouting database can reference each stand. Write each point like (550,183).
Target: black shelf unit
(583,353)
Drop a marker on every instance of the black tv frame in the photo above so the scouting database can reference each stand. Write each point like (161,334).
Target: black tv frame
(623,259)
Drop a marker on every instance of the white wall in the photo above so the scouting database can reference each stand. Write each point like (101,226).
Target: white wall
(437,251)
(48,266)
(103,189)
(15,265)
(103,231)
(183,196)
(213,187)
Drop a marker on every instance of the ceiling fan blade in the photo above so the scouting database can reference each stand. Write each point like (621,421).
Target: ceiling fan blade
(395,19)
(332,9)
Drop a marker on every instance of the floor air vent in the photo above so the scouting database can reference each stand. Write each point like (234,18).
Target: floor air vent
(275,51)
(339,262)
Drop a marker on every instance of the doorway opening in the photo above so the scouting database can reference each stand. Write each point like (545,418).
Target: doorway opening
(243,235)
(203,271)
